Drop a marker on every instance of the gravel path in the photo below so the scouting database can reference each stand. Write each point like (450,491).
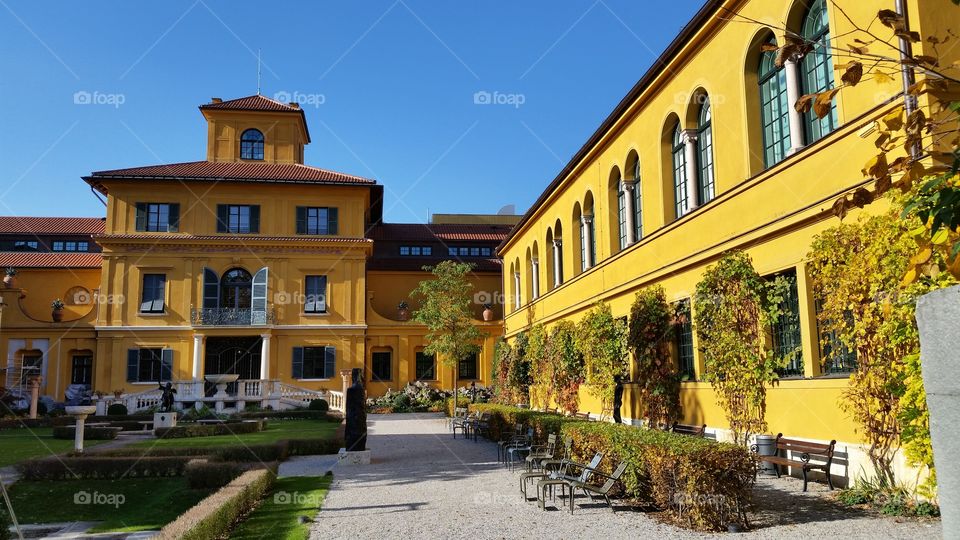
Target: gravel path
(424,484)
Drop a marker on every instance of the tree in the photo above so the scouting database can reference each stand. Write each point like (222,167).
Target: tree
(602,341)
(445,311)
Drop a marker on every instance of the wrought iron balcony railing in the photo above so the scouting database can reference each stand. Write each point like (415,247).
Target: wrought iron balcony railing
(231,317)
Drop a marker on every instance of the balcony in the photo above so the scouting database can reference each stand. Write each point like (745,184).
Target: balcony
(231,317)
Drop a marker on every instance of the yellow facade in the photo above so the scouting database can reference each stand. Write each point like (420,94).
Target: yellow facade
(772,212)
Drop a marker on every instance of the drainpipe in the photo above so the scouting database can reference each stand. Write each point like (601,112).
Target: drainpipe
(906,72)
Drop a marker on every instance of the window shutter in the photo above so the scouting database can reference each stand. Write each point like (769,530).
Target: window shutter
(173,225)
(321,292)
(332,219)
(310,292)
(141,216)
(211,289)
(160,290)
(133,363)
(298,362)
(329,362)
(301,220)
(222,218)
(258,297)
(255,218)
(166,365)
(146,294)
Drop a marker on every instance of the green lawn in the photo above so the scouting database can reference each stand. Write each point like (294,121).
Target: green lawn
(276,430)
(278,516)
(131,504)
(20,444)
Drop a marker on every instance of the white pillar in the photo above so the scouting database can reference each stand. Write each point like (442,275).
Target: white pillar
(587,241)
(792,71)
(516,290)
(265,356)
(628,187)
(197,357)
(557,263)
(691,168)
(535,268)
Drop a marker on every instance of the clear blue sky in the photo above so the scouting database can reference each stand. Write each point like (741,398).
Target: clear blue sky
(396,79)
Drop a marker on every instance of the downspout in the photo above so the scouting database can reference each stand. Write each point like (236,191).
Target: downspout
(97,195)
(906,71)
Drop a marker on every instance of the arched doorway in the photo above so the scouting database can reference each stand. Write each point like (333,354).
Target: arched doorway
(232,355)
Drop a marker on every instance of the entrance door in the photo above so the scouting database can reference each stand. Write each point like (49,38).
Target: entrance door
(232,355)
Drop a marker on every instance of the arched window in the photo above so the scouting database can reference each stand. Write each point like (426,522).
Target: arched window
(616,190)
(235,289)
(681,201)
(706,187)
(637,206)
(774,111)
(817,74)
(251,145)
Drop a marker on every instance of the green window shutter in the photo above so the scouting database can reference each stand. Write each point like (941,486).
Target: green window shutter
(211,289)
(166,365)
(329,362)
(133,364)
(173,225)
(222,218)
(301,220)
(141,216)
(255,219)
(298,362)
(332,220)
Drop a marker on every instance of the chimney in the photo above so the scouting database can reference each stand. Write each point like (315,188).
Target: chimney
(294,104)
(216,100)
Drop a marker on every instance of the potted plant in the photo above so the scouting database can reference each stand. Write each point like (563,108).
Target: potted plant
(118,393)
(57,313)
(487,312)
(10,280)
(403,311)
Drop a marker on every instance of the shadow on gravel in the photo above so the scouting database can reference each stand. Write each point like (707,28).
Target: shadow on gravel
(780,502)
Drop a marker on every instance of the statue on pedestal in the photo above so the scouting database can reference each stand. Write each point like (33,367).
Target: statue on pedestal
(356,414)
(166,398)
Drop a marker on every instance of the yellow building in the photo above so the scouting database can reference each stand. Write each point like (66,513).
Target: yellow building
(252,264)
(706,154)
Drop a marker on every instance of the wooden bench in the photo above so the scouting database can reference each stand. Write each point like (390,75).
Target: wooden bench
(581,415)
(687,429)
(804,450)
(147,425)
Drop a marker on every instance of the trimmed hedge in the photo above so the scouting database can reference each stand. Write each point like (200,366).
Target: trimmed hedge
(90,433)
(69,468)
(314,447)
(212,517)
(704,484)
(54,421)
(203,474)
(319,405)
(5,523)
(503,418)
(117,409)
(209,430)
(292,414)
(278,451)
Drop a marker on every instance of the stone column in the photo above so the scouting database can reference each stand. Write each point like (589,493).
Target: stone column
(557,263)
(937,316)
(628,187)
(689,137)
(197,357)
(34,383)
(264,356)
(535,269)
(587,222)
(516,290)
(792,72)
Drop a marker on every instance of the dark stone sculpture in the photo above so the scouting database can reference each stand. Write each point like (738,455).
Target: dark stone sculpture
(166,399)
(356,414)
(617,399)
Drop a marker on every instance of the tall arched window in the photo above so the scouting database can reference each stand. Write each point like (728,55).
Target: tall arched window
(706,187)
(817,74)
(616,188)
(774,111)
(251,145)
(682,202)
(236,289)
(637,206)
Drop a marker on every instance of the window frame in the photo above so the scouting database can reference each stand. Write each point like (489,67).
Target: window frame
(706,180)
(157,286)
(376,370)
(786,333)
(86,368)
(681,199)
(252,148)
(683,341)
(422,357)
(474,371)
(772,88)
(816,70)
(322,296)
(227,218)
(161,356)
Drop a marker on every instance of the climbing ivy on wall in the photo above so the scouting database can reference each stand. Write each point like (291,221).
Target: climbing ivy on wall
(569,366)
(602,340)
(651,331)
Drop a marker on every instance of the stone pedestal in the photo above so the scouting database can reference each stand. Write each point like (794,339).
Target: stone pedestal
(164,419)
(34,395)
(80,413)
(938,314)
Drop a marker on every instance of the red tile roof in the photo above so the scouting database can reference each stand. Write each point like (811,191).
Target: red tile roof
(417,263)
(19,260)
(418,232)
(251,103)
(242,171)
(50,225)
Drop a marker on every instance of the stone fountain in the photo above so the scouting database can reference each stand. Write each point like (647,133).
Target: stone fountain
(80,412)
(221,380)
